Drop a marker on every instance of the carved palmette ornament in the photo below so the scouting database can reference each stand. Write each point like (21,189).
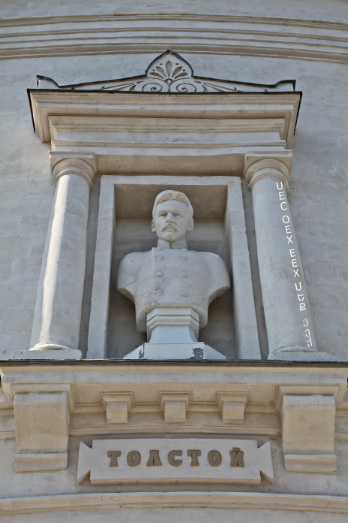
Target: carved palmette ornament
(169,73)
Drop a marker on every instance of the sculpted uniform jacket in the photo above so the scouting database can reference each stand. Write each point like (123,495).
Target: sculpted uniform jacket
(172,278)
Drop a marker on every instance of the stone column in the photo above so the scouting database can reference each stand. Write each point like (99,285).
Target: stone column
(286,305)
(57,317)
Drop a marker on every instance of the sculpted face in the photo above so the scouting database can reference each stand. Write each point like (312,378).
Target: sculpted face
(171,221)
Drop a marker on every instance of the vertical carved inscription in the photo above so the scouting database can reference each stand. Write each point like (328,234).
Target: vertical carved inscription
(293,258)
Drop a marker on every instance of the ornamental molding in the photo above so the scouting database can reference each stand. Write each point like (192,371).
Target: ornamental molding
(169,73)
(166,121)
(217,500)
(275,400)
(143,33)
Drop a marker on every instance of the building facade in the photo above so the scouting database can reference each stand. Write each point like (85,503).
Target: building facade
(166,410)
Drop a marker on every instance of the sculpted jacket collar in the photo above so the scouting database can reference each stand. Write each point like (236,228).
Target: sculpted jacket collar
(179,244)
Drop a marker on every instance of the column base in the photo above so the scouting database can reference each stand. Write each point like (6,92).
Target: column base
(174,351)
(48,354)
(300,354)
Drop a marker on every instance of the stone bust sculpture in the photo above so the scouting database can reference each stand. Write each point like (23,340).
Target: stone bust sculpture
(172,286)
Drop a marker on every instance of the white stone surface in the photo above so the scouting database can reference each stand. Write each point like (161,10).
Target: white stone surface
(232,406)
(172,278)
(327,11)
(172,323)
(316,414)
(47,352)
(175,406)
(209,195)
(57,314)
(41,438)
(117,406)
(284,292)
(172,286)
(210,465)
(247,337)
(320,223)
(131,135)
(248,40)
(194,385)
(308,426)
(154,508)
(174,351)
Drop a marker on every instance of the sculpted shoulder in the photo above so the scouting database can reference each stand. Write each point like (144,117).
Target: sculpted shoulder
(134,259)
(128,272)
(219,278)
(214,260)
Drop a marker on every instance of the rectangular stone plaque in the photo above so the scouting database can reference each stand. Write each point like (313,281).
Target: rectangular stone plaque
(175,460)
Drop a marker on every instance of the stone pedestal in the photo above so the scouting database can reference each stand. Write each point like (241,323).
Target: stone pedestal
(172,334)
(174,351)
(56,326)
(172,325)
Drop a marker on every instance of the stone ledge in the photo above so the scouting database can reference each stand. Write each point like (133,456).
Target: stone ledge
(311,463)
(34,462)
(218,500)
(50,354)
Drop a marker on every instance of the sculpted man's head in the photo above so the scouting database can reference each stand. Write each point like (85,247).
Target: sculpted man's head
(172,218)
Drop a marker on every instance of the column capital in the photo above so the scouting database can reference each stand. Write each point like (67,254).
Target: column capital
(262,165)
(82,164)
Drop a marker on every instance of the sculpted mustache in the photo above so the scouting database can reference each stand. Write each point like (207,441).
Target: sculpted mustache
(170,226)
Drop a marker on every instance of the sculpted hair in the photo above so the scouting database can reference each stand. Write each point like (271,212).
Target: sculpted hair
(168,195)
